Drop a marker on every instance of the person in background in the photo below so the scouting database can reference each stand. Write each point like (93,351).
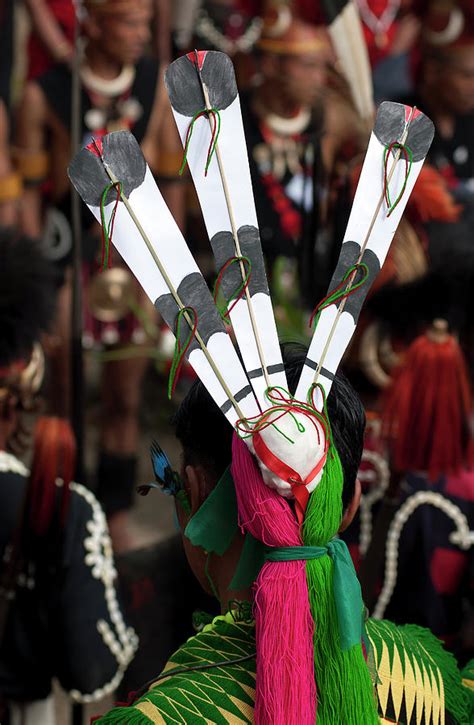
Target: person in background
(52,35)
(121,89)
(10,180)
(426,423)
(212,677)
(445,90)
(59,611)
(295,128)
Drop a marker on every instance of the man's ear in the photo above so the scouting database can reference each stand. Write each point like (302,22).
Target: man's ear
(196,486)
(351,510)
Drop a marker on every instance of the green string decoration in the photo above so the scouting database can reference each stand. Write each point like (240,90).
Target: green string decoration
(179,348)
(183,499)
(345,585)
(215,116)
(209,578)
(241,610)
(408,155)
(225,310)
(283,403)
(108,227)
(339,293)
(322,521)
(201,619)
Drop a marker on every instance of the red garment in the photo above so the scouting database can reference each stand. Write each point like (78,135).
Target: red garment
(307,10)
(310,11)
(379,51)
(39,59)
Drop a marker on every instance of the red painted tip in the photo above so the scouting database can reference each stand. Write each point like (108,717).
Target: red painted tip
(408,112)
(201,54)
(96,147)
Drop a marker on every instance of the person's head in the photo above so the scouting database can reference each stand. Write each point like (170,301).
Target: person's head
(293,599)
(119,28)
(447,55)
(27,301)
(448,75)
(296,63)
(206,440)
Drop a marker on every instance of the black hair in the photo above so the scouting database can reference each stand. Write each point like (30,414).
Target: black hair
(27,295)
(206,437)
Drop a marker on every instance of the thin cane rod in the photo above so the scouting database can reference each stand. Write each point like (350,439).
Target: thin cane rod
(172,290)
(76,377)
(76,392)
(350,281)
(234,234)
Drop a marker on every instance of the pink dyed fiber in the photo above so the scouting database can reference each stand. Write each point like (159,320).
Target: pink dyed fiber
(285,688)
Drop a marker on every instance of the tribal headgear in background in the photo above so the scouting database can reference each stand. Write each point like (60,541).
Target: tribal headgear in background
(447,24)
(28,287)
(112,7)
(284,33)
(286,469)
(293,37)
(27,296)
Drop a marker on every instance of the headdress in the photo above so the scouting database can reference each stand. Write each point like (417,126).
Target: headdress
(27,296)
(289,436)
(114,7)
(291,36)
(28,288)
(345,28)
(447,24)
(284,34)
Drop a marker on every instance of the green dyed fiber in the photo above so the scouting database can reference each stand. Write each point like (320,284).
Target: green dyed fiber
(345,690)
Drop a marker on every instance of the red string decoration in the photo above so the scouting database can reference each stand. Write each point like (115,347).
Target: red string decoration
(239,292)
(181,349)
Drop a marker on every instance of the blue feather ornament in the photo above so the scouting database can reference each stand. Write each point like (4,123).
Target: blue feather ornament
(167,479)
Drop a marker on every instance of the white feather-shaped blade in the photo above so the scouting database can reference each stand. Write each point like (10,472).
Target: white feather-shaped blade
(227,202)
(368,236)
(142,214)
(347,35)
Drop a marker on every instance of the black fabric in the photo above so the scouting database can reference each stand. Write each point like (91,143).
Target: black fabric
(6,50)
(115,482)
(457,151)
(274,240)
(160,595)
(56,85)
(52,627)
(427,560)
(333,9)
(454,156)
(434,576)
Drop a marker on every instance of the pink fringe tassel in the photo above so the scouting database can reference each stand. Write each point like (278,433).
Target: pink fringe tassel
(285,688)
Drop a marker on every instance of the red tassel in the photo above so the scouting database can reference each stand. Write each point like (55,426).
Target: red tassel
(427,408)
(285,687)
(54,457)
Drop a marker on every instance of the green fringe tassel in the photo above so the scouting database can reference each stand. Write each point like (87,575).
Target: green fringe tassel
(459,701)
(468,674)
(345,690)
(124,716)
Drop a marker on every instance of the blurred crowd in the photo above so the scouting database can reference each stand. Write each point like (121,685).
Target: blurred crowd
(73,70)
